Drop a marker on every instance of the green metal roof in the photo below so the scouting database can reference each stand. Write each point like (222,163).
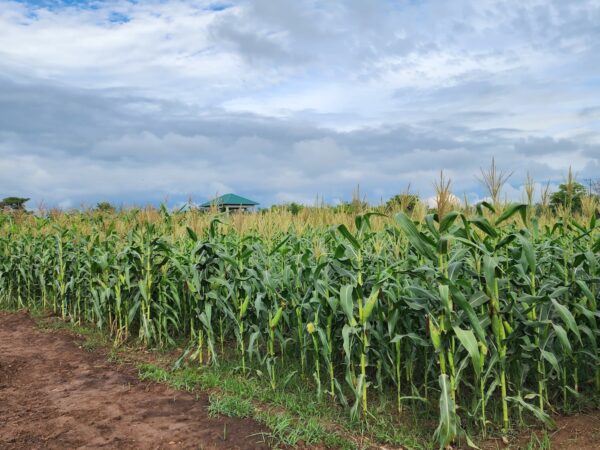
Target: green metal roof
(229,199)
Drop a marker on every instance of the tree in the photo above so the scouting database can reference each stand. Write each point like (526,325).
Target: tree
(293,208)
(569,195)
(13,204)
(403,202)
(105,207)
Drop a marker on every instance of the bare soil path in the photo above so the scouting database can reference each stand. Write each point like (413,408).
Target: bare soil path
(56,395)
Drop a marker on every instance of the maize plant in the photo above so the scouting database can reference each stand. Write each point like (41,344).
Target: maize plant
(486,317)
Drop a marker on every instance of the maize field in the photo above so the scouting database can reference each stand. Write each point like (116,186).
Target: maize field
(487,316)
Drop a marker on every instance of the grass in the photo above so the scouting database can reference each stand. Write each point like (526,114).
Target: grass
(288,420)
(539,442)
(292,413)
(230,406)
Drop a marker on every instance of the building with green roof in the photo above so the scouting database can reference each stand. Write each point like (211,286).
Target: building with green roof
(230,203)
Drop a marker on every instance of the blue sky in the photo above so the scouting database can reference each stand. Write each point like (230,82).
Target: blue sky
(146,101)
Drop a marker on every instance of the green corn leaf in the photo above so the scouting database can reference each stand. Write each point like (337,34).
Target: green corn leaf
(448,220)
(252,341)
(484,225)
(192,234)
(469,342)
(411,336)
(586,291)
(447,429)
(360,380)
(486,205)
(414,237)
(505,241)
(347,303)
(567,317)
(346,335)
(479,248)
(349,237)
(511,210)
(592,339)
(444,291)
(430,223)
(489,272)
(465,306)
(551,359)
(562,337)
(541,415)
(281,244)
(528,252)
(454,270)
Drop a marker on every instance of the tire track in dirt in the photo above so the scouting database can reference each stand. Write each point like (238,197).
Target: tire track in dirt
(55,395)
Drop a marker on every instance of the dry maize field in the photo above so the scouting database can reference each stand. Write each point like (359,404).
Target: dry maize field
(486,317)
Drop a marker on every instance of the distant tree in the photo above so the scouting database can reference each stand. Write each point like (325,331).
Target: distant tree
(293,208)
(405,202)
(569,195)
(13,204)
(105,207)
(353,207)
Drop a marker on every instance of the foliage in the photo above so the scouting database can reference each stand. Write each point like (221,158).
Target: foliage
(569,195)
(293,208)
(487,320)
(13,204)
(402,202)
(353,207)
(105,207)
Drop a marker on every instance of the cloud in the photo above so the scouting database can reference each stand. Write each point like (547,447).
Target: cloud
(281,101)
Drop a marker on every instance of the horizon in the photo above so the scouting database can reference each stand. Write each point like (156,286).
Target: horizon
(137,102)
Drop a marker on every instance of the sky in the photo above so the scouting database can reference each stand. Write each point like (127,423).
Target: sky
(139,102)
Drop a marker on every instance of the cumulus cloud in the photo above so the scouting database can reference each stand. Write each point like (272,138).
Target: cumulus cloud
(282,101)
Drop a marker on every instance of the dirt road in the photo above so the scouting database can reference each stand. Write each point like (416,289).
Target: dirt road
(56,395)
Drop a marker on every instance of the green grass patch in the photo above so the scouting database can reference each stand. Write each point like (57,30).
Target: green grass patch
(292,412)
(230,406)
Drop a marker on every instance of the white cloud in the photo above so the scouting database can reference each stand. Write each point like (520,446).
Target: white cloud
(286,100)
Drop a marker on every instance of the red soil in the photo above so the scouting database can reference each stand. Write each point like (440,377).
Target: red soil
(55,395)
